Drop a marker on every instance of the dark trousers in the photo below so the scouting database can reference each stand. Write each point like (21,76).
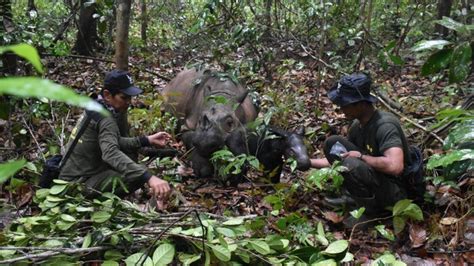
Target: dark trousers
(368,188)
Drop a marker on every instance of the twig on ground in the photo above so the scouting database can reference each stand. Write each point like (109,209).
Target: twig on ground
(365,222)
(49,253)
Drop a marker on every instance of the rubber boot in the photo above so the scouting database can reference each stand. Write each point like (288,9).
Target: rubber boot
(372,211)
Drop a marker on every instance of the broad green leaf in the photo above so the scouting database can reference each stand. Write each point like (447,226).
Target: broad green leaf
(100,216)
(460,63)
(234,221)
(278,243)
(222,253)
(436,62)
(358,213)
(54,199)
(26,51)
(164,254)
(52,243)
(62,225)
(260,246)
(68,218)
(396,59)
(432,44)
(329,262)
(132,260)
(387,234)
(87,241)
(452,24)
(113,255)
(187,259)
(42,193)
(56,189)
(27,87)
(400,206)
(413,211)
(336,247)
(398,224)
(445,160)
(321,236)
(463,132)
(84,209)
(110,263)
(244,256)
(60,182)
(225,231)
(387,259)
(348,258)
(10,168)
(7,253)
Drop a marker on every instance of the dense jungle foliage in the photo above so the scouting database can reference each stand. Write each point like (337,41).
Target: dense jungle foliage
(54,55)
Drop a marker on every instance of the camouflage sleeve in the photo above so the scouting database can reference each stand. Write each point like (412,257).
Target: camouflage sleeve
(109,142)
(132,144)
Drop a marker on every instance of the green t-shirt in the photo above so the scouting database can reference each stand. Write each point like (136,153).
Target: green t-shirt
(383,131)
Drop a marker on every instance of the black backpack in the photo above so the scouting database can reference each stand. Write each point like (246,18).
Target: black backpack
(414,176)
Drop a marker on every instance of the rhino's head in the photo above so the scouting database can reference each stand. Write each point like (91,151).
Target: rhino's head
(294,146)
(218,119)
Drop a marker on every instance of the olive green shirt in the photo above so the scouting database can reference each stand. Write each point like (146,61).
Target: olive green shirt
(104,145)
(383,131)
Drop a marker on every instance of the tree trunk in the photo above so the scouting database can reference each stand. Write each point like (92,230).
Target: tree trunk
(444,9)
(9,60)
(268,20)
(31,6)
(121,38)
(144,19)
(86,30)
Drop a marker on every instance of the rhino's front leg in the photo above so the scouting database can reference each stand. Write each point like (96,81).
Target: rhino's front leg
(201,165)
(187,138)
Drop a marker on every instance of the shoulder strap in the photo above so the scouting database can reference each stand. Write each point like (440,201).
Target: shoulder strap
(74,142)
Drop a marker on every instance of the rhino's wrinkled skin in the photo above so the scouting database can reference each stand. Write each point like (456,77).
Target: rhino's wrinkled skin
(209,106)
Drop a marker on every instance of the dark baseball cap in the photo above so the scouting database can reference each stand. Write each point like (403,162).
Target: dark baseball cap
(121,80)
(351,89)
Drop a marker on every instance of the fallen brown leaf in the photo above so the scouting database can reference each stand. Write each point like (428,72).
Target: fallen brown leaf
(417,235)
(333,217)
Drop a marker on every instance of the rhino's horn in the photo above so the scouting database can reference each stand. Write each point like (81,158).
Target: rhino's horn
(240,99)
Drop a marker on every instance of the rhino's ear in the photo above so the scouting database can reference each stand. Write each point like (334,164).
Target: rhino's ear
(300,131)
(240,99)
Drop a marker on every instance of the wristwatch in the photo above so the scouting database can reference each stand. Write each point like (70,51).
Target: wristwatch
(360,156)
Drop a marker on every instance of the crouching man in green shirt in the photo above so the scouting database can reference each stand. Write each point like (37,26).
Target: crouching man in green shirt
(375,153)
(106,151)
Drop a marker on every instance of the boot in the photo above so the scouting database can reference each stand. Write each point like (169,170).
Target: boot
(345,201)
(372,211)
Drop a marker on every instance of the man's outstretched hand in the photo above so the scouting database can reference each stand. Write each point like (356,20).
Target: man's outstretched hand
(159,188)
(159,139)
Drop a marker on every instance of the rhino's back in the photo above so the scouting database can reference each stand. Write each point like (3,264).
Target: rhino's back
(179,93)
(185,95)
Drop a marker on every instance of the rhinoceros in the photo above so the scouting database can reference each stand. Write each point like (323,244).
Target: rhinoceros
(209,106)
(270,145)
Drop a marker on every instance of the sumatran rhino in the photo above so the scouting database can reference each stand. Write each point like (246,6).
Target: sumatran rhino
(271,145)
(209,106)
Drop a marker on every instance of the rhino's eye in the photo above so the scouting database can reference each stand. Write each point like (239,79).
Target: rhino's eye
(229,123)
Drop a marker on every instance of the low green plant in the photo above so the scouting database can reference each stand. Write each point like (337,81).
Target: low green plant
(403,211)
(455,56)
(329,178)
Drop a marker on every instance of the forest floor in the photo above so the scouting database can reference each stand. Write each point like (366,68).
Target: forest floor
(444,237)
